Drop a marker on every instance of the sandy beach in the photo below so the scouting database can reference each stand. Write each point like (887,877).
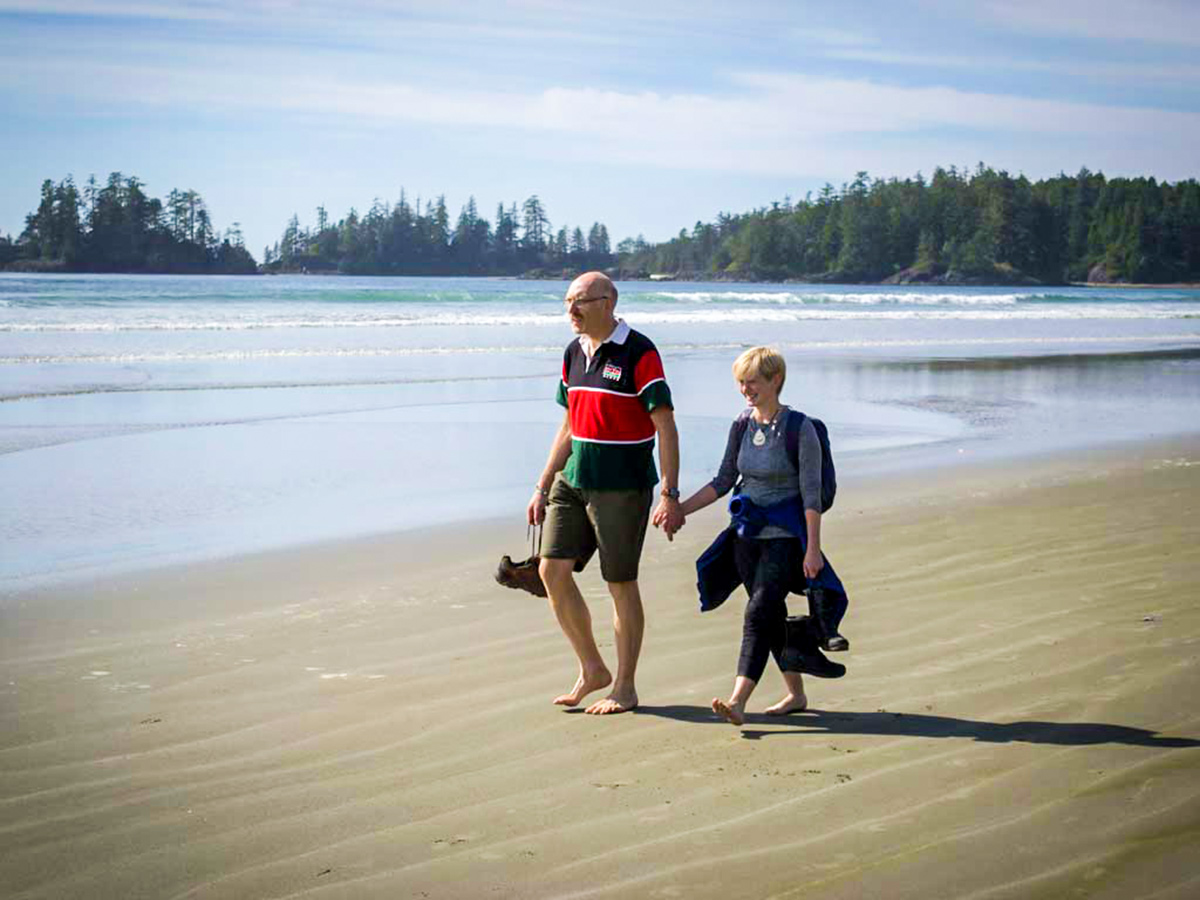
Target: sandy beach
(373,719)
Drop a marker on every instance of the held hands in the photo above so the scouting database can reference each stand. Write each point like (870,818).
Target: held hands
(814,562)
(668,516)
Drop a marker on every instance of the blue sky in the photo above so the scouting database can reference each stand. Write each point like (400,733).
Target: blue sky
(647,116)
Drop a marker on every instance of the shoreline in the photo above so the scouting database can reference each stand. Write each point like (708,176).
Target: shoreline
(906,472)
(373,719)
(490,536)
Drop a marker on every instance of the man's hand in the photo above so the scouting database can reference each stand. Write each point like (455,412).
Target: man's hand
(535,513)
(813,562)
(668,516)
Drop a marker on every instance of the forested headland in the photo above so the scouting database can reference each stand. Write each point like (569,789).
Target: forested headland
(984,227)
(981,227)
(405,240)
(118,228)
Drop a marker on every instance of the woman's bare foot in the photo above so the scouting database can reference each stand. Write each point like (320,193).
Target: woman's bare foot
(618,701)
(584,685)
(789,704)
(733,713)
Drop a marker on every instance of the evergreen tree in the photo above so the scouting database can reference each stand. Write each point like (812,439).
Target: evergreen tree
(119,228)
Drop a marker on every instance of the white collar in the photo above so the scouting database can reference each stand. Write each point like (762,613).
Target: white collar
(618,336)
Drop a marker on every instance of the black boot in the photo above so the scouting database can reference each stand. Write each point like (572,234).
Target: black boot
(827,609)
(802,653)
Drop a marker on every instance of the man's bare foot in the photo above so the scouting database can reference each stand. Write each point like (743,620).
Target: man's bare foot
(618,701)
(584,685)
(789,704)
(730,712)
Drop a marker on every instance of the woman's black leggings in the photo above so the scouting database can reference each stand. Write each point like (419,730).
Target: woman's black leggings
(766,568)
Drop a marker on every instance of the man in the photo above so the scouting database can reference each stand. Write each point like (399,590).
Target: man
(597,487)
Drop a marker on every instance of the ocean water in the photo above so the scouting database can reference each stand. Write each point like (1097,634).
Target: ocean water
(147,419)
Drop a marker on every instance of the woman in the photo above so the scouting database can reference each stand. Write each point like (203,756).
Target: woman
(781,479)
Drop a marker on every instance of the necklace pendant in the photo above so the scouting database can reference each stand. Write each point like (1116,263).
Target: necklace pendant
(760,438)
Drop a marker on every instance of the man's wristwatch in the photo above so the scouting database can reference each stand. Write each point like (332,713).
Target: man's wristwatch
(670,493)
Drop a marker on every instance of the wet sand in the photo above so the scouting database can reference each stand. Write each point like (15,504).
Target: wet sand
(373,719)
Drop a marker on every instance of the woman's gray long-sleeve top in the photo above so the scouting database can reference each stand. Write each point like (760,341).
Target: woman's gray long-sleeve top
(768,476)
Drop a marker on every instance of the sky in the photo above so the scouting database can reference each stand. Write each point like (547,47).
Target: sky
(647,116)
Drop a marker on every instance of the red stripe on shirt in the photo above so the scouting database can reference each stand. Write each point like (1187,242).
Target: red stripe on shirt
(601,416)
(648,368)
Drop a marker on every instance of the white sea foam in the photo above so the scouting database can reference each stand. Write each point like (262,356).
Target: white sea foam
(865,297)
(637,314)
(989,342)
(369,352)
(257,324)
(817,313)
(264,354)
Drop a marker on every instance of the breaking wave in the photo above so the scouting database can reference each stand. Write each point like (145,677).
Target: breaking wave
(636,313)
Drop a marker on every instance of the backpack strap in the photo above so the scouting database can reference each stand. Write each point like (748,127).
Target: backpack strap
(791,434)
(740,424)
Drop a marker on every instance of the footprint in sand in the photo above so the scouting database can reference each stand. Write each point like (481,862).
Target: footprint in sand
(669,891)
(123,686)
(837,862)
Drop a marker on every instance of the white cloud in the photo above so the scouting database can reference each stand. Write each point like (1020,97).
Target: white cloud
(1174,74)
(767,123)
(834,37)
(122,9)
(375,22)
(1155,21)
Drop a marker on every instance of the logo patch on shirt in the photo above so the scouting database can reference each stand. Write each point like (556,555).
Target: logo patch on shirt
(612,372)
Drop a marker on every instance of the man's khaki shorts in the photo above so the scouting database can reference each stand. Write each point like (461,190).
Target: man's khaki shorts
(579,522)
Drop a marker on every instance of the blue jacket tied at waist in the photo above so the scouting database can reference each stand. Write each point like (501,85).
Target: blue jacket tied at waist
(716,571)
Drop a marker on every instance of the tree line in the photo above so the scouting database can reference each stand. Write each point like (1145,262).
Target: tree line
(405,239)
(984,225)
(118,228)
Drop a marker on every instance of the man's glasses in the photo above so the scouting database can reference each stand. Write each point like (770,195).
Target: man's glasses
(580,301)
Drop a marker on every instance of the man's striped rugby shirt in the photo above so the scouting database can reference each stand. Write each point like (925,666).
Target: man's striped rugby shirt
(609,399)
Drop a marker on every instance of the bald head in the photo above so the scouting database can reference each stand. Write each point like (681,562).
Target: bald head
(591,285)
(590,302)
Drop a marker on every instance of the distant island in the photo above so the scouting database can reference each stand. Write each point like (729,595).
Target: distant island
(118,228)
(981,228)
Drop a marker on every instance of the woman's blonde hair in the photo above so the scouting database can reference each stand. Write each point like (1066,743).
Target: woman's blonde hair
(765,362)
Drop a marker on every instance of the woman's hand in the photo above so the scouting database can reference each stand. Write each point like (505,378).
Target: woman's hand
(669,517)
(814,562)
